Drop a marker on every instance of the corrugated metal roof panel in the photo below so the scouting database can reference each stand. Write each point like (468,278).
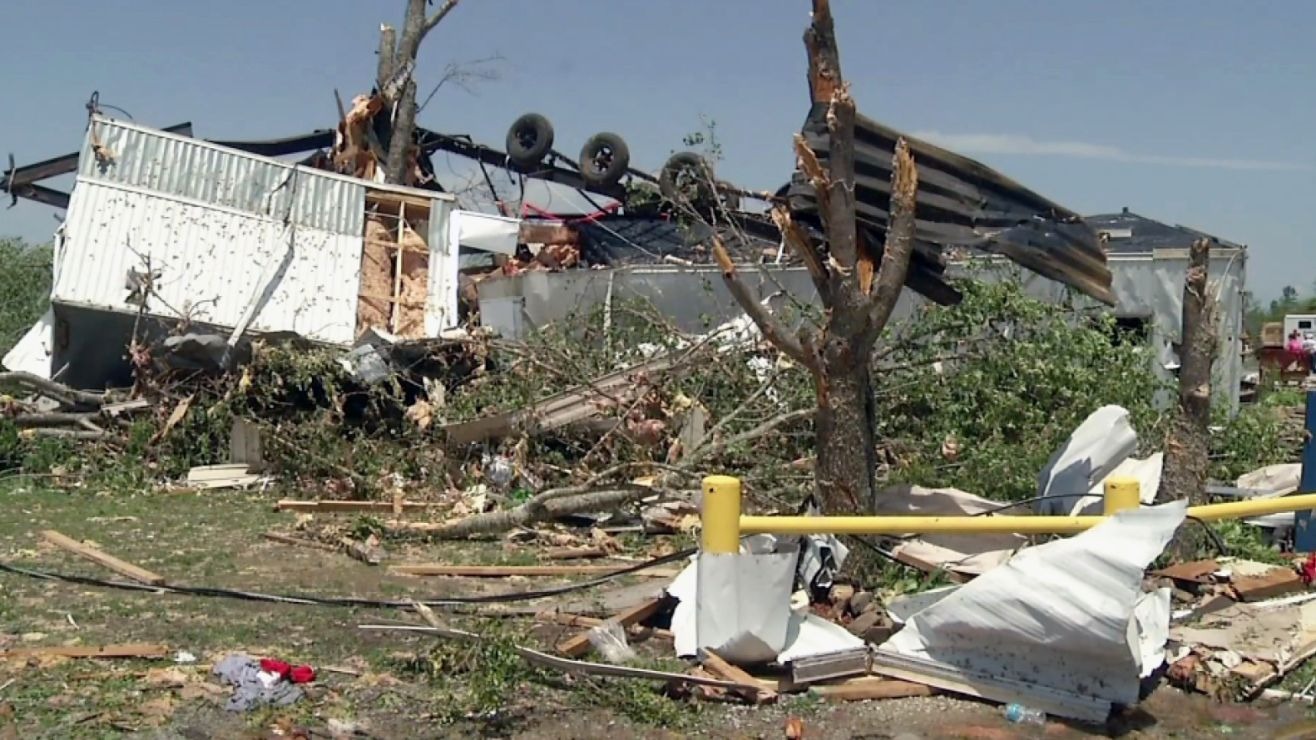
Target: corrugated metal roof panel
(190,168)
(961,202)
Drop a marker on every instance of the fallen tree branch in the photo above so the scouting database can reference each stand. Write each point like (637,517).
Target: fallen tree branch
(757,312)
(715,446)
(67,433)
(53,419)
(899,242)
(565,665)
(53,390)
(542,509)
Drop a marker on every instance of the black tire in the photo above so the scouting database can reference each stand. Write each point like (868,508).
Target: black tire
(604,160)
(529,140)
(686,177)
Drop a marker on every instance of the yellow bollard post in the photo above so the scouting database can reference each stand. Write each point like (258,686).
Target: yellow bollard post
(720,515)
(1121,494)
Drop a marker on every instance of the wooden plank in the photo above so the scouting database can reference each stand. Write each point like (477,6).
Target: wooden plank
(532,232)
(125,650)
(298,542)
(720,668)
(573,553)
(384,197)
(580,620)
(347,506)
(579,644)
(104,559)
(864,688)
(505,571)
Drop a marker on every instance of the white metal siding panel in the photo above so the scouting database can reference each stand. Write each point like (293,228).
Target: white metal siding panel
(441,292)
(210,262)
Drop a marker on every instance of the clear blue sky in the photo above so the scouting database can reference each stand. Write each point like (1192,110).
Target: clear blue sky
(1201,113)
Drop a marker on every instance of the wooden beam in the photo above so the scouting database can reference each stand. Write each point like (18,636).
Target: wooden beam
(864,688)
(298,542)
(104,559)
(347,506)
(579,620)
(574,553)
(125,650)
(538,232)
(579,644)
(505,571)
(719,667)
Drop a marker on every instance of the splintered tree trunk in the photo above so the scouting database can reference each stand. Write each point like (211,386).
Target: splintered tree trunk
(402,144)
(857,283)
(844,436)
(1187,444)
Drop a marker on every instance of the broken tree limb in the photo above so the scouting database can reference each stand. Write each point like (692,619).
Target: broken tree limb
(539,508)
(67,433)
(757,312)
(800,244)
(53,390)
(899,242)
(53,419)
(824,59)
(87,552)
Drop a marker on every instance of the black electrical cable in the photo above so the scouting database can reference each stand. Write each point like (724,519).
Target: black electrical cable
(215,592)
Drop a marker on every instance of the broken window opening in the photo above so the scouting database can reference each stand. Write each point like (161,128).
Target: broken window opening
(394,265)
(1131,330)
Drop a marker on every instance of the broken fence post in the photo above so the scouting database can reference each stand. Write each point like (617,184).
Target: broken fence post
(1121,494)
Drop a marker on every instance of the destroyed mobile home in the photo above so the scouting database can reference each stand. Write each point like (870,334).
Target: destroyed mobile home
(182,251)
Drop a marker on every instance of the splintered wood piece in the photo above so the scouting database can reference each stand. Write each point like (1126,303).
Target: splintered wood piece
(579,644)
(103,559)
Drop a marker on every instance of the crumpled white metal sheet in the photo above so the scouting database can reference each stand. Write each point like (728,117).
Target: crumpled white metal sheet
(1062,616)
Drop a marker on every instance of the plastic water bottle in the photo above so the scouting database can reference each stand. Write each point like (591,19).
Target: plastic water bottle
(1021,715)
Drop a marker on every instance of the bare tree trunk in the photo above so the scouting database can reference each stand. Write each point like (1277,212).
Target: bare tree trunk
(414,30)
(844,432)
(857,292)
(388,47)
(1187,444)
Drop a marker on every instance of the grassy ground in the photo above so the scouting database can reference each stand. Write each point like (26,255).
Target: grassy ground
(395,685)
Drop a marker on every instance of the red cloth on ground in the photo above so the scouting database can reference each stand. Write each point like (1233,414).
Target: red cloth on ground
(275,666)
(302,674)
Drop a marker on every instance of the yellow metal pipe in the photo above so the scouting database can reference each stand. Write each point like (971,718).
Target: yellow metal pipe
(1253,507)
(898,525)
(720,515)
(1121,494)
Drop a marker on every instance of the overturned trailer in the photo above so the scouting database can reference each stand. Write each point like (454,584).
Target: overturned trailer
(162,228)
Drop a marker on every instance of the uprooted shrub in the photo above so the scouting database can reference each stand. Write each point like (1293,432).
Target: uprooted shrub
(978,395)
